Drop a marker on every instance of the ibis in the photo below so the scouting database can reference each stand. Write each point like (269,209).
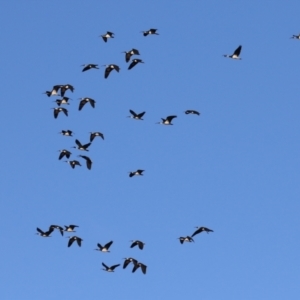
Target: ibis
(236,53)
(167,120)
(192,112)
(109,269)
(64,100)
(150,31)
(73,163)
(185,239)
(73,239)
(66,132)
(94,134)
(128,261)
(63,153)
(136,116)
(87,160)
(137,243)
(134,62)
(70,228)
(57,110)
(107,36)
(136,173)
(86,100)
(44,233)
(82,147)
(89,66)
(61,230)
(104,248)
(130,53)
(201,229)
(139,265)
(109,68)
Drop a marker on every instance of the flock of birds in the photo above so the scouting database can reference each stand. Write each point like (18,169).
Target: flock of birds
(60,90)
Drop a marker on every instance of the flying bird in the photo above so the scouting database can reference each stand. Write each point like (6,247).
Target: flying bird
(57,110)
(201,229)
(167,120)
(70,228)
(44,233)
(61,230)
(297,37)
(86,100)
(54,91)
(136,173)
(81,147)
(139,265)
(94,134)
(128,261)
(74,238)
(136,116)
(109,269)
(66,132)
(134,62)
(236,53)
(107,36)
(66,87)
(137,243)
(109,68)
(89,66)
(64,100)
(88,161)
(192,112)
(73,163)
(185,239)
(63,153)
(149,32)
(104,248)
(130,53)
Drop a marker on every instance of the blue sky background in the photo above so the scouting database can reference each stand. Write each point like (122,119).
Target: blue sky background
(234,169)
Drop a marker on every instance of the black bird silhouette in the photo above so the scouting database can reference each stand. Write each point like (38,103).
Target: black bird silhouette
(107,36)
(88,161)
(70,228)
(134,62)
(137,243)
(297,37)
(201,229)
(185,239)
(136,116)
(167,120)
(74,238)
(61,230)
(66,132)
(236,53)
(54,91)
(89,66)
(149,32)
(193,112)
(130,53)
(44,233)
(136,173)
(94,134)
(128,261)
(66,87)
(81,147)
(73,163)
(86,100)
(105,247)
(64,100)
(57,110)
(109,269)
(142,266)
(109,68)
(63,153)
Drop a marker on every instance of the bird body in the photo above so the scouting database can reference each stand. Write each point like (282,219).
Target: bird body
(136,116)
(73,163)
(81,147)
(167,120)
(67,132)
(70,228)
(236,53)
(185,239)
(64,100)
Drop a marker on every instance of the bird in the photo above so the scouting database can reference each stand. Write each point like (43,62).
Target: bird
(94,134)
(63,153)
(185,239)
(86,100)
(297,37)
(73,163)
(137,242)
(44,233)
(66,87)
(128,261)
(61,230)
(150,31)
(142,266)
(54,91)
(236,53)
(89,66)
(134,62)
(129,53)
(70,228)
(109,269)
(81,147)
(167,120)
(66,132)
(64,100)
(88,161)
(109,68)
(74,238)
(193,112)
(57,110)
(136,173)
(105,247)
(201,229)
(136,116)
(107,36)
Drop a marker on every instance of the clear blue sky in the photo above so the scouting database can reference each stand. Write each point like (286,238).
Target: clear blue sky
(234,169)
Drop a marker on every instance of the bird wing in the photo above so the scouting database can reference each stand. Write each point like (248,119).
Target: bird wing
(133,63)
(56,112)
(62,154)
(199,230)
(132,112)
(39,230)
(99,246)
(135,242)
(141,114)
(136,266)
(65,111)
(107,72)
(237,51)
(114,266)
(79,242)
(127,56)
(104,39)
(92,136)
(86,68)
(86,145)
(105,266)
(78,143)
(71,240)
(170,118)
(141,245)
(126,263)
(81,104)
(144,268)
(108,244)
(92,102)
(135,51)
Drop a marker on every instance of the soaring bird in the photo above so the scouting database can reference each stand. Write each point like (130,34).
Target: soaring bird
(66,132)
(192,112)
(94,134)
(104,248)
(167,120)
(109,68)
(64,100)
(297,37)
(185,239)
(137,243)
(109,269)
(130,53)
(66,87)
(57,110)
(236,53)
(63,153)
(136,173)
(74,238)
(89,66)
(128,261)
(142,266)
(73,163)
(86,100)
(81,147)
(61,230)
(70,228)
(107,36)
(134,62)
(54,91)
(149,32)
(136,116)
(44,233)
(201,229)
(88,161)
